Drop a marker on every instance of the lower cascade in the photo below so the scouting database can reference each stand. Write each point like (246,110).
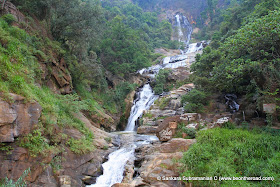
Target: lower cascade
(113,169)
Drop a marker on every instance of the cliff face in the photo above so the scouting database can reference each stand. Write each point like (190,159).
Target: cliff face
(33,118)
(192,9)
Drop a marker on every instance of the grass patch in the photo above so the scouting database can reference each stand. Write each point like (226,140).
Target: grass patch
(233,153)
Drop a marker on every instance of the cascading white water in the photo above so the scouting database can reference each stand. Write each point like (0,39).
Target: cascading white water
(146,99)
(184,30)
(113,169)
(180,32)
(195,47)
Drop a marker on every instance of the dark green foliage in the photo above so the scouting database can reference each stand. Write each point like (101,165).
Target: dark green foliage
(190,132)
(246,62)
(36,143)
(130,36)
(228,125)
(194,101)
(233,153)
(160,84)
(9,18)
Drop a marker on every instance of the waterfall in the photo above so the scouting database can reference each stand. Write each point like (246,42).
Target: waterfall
(114,168)
(184,30)
(145,100)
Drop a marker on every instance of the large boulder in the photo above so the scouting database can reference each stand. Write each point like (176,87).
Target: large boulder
(167,128)
(17,118)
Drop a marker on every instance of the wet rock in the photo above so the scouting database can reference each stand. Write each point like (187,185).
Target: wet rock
(167,113)
(147,130)
(46,179)
(17,118)
(192,125)
(159,165)
(179,74)
(148,121)
(58,79)
(181,91)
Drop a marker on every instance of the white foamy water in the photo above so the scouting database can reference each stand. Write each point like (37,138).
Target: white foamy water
(114,167)
(146,99)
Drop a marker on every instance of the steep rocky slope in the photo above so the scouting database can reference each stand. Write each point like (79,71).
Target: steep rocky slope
(33,135)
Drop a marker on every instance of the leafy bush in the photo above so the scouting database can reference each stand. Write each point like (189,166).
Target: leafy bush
(233,153)
(194,101)
(160,84)
(191,132)
(36,143)
(6,148)
(9,18)
(229,125)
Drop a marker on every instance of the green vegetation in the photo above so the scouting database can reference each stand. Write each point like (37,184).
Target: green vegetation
(244,61)
(189,132)
(194,101)
(148,115)
(6,148)
(19,183)
(20,70)
(36,143)
(108,139)
(233,153)
(160,84)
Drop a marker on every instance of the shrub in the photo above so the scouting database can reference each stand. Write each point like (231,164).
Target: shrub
(9,18)
(194,101)
(35,142)
(192,107)
(191,132)
(229,125)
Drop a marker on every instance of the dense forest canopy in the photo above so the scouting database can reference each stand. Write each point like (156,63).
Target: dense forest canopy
(244,54)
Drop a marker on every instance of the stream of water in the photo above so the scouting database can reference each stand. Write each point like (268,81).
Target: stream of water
(114,168)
